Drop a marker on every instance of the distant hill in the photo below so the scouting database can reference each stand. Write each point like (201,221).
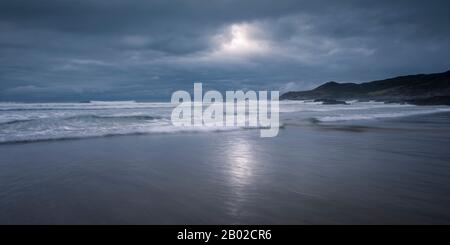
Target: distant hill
(422,89)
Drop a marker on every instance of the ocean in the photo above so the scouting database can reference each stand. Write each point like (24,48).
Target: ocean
(125,163)
(25,122)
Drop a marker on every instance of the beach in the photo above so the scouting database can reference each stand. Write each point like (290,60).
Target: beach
(392,170)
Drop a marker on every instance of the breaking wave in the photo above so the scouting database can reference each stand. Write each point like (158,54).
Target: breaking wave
(352,117)
(30,122)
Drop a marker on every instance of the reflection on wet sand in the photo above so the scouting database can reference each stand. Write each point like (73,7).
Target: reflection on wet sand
(240,170)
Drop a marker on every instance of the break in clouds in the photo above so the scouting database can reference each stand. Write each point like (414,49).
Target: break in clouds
(145,50)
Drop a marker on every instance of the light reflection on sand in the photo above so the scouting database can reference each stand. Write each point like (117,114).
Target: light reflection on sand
(241,170)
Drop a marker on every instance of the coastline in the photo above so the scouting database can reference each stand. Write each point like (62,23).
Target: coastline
(392,171)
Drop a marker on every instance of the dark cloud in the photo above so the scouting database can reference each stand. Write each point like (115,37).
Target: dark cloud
(77,50)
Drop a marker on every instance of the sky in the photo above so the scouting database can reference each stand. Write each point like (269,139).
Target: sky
(64,50)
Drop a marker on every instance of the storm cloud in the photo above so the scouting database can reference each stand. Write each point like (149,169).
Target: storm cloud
(145,50)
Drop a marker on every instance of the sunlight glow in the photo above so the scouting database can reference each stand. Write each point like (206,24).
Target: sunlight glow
(240,40)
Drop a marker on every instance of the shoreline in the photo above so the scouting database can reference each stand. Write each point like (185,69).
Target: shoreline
(306,175)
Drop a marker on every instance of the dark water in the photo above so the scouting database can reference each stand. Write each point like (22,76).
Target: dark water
(394,171)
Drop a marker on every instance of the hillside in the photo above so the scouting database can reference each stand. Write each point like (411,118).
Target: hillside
(423,89)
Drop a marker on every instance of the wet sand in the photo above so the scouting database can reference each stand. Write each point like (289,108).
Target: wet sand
(383,172)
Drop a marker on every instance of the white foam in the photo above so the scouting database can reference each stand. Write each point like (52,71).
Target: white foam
(43,121)
(379,115)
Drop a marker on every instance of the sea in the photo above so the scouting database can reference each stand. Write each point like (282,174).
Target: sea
(124,162)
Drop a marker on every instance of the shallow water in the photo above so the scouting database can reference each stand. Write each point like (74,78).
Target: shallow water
(379,171)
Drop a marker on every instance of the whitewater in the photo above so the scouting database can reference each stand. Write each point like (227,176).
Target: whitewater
(28,122)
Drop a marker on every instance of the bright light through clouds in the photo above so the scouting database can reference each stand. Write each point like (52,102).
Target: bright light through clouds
(241,40)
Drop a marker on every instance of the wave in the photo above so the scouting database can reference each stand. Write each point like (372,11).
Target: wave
(84,117)
(76,121)
(359,106)
(100,102)
(79,108)
(155,130)
(16,121)
(95,105)
(136,117)
(63,138)
(379,115)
